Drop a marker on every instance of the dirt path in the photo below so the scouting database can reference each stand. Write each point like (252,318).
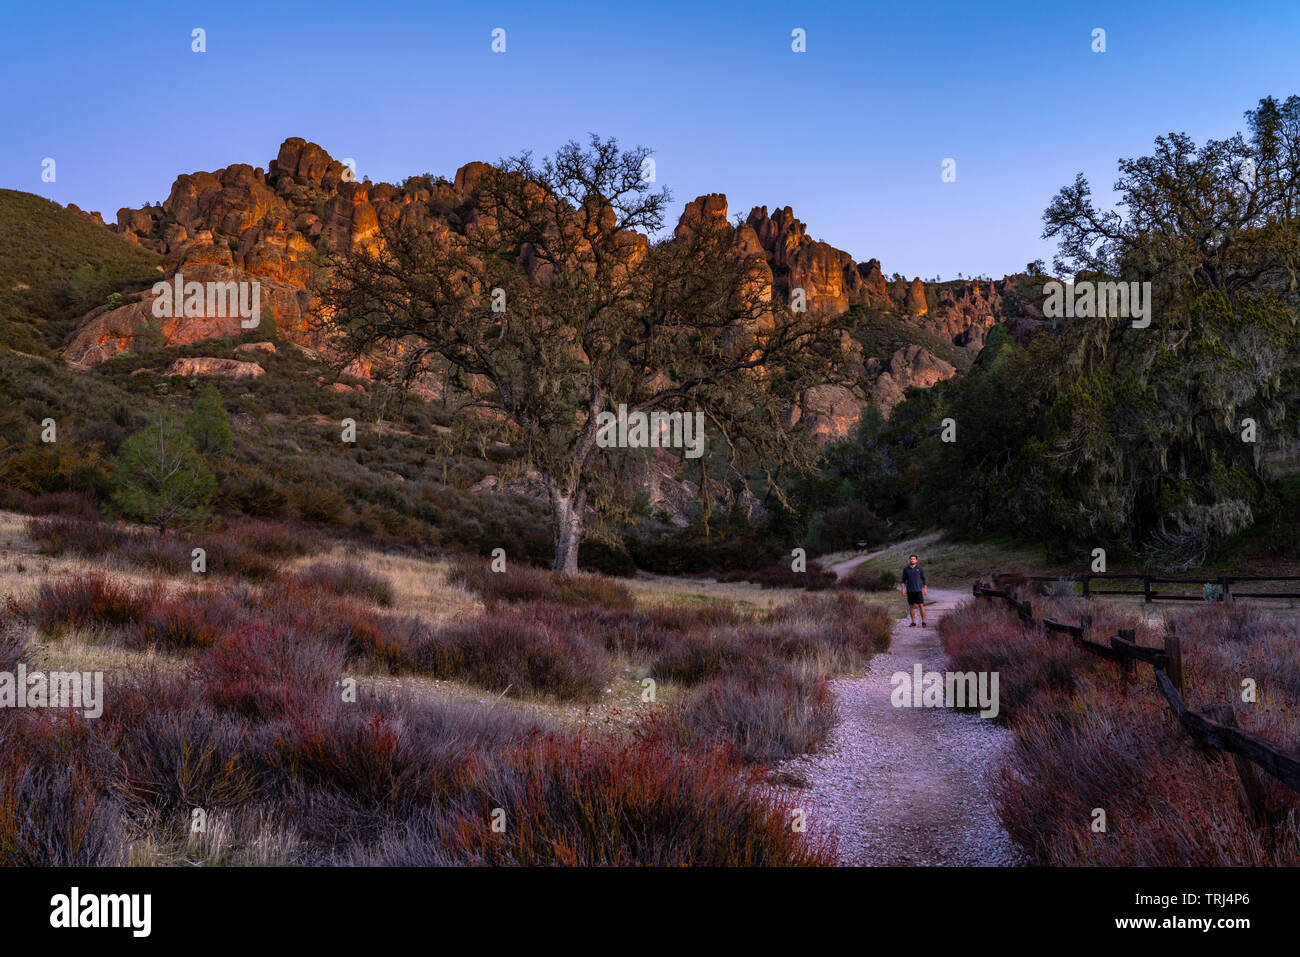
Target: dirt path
(905,785)
(842,569)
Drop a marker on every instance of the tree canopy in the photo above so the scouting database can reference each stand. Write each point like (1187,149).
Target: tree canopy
(1094,433)
(552,300)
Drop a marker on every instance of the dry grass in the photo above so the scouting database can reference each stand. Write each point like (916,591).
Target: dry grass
(420,586)
(87,650)
(657,590)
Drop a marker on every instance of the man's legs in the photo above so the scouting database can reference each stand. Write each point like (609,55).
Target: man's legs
(922,607)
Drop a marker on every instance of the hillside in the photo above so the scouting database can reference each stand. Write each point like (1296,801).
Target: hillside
(55,265)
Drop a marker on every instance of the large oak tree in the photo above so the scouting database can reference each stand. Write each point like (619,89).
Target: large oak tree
(552,299)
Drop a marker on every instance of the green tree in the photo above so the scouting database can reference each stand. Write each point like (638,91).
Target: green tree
(208,424)
(1097,433)
(160,479)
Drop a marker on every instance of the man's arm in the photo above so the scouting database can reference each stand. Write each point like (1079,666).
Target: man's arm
(925,589)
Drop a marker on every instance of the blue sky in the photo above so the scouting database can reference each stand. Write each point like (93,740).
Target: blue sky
(852,133)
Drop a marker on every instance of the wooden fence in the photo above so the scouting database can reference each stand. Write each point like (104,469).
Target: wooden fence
(1214,729)
(1150,592)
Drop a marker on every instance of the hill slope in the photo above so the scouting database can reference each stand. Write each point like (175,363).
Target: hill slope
(55,264)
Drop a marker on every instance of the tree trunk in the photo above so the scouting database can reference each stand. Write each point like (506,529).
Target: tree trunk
(567,509)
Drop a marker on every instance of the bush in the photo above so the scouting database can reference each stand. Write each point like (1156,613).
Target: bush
(525,651)
(763,716)
(522,584)
(781,575)
(13,645)
(86,601)
(56,809)
(193,621)
(347,579)
(574,801)
(263,673)
(73,535)
(178,759)
(864,577)
(1084,737)
(69,504)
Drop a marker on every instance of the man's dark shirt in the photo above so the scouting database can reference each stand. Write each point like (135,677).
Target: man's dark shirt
(913,577)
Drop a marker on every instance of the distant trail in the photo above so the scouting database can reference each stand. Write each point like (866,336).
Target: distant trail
(842,569)
(905,785)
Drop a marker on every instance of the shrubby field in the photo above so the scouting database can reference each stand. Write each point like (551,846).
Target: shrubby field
(324,704)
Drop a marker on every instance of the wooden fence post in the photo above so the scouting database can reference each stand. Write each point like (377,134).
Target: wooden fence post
(1027,613)
(1146,589)
(1130,664)
(1250,787)
(1085,622)
(1174,654)
(1225,588)
(1087,585)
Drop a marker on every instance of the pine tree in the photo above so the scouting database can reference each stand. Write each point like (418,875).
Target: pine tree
(208,424)
(161,479)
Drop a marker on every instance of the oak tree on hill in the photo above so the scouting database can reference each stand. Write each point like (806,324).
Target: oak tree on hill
(548,300)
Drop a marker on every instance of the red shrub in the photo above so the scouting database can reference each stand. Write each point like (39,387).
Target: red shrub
(263,672)
(521,584)
(760,716)
(197,619)
(527,650)
(591,802)
(85,601)
(56,803)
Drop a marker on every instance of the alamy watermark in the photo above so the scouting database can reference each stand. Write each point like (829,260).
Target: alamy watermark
(76,690)
(1088,300)
(951,689)
(654,430)
(208,300)
(74,910)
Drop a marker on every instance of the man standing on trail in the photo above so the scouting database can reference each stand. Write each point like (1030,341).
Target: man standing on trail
(913,584)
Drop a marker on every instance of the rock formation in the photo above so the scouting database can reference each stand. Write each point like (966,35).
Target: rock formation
(278,226)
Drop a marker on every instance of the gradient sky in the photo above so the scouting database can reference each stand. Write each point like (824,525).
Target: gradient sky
(851,134)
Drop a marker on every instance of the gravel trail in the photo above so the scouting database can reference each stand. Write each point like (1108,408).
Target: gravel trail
(842,569)
(905,785)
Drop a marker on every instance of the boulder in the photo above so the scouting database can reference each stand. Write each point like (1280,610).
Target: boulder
(204,365)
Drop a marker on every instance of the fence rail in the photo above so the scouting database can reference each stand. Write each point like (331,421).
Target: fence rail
(1214,729)
(1149,593)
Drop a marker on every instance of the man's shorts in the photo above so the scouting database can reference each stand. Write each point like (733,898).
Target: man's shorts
(915,598)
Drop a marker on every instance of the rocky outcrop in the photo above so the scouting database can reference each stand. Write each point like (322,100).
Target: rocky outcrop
(105,333)
(915,304)
(227,368)
(830,411)
(278,226)
(910,366)
(963,311)
(93,216)
(830,279)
